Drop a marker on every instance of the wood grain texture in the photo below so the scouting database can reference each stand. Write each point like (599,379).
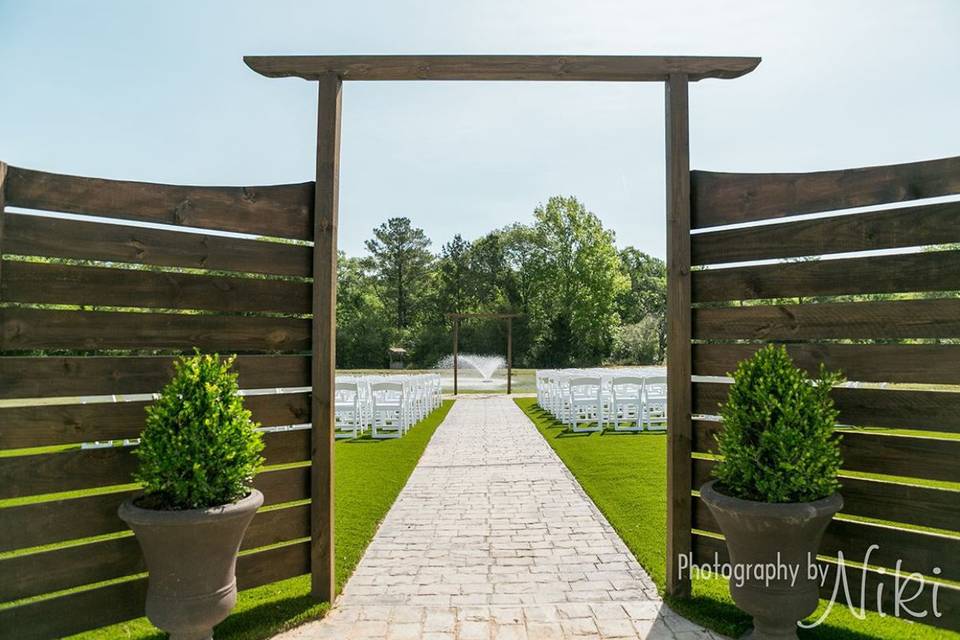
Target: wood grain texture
(57,376)
(324,332)
(35,574)
(870,452)
(502,67)
(32,235)
(678,333)
(888,501)
(43,523)
(46,425)
(40,283)
(29,329)
(729,198)
(895,228)
(935,318)
(917,363)
(280,210)
(45,473)
(901,273)
(864,407)
(918,550)
(707,549)
(71,613)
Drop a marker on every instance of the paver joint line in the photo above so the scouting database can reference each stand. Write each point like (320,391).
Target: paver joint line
(492,538)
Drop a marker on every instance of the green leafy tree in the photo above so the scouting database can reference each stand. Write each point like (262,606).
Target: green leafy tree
(575,281)
(647,295)
(401,261)
(363,328)
(637,343)
(778,441)
(199,448)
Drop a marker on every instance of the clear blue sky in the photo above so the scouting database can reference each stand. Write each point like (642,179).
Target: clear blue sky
(158,91)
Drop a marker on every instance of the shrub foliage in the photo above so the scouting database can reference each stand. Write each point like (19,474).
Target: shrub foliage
(199,448)
(778,441)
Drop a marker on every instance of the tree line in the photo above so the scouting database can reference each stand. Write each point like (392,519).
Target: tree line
(583,301)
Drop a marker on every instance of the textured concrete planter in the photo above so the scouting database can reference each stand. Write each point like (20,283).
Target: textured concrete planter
(191,556)
(756,533)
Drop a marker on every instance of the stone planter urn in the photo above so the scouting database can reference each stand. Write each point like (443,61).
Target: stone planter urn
(756,532)
(191,556)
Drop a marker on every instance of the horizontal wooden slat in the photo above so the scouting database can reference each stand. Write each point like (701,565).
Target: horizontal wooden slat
(282,210)
(33,235)
(888,501)
(893,455)
(75,612)
(44,425)
(500,67)
(860,407)
(708,550)
(55,521)
(901,273)
(60,376)
(728,198)
(31,329)
(918,550)
(41,283)
(918,363)
(939,318)
(34,574)
(895,228)
(44,473)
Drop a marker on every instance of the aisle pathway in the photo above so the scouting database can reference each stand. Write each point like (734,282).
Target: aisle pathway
(492,539)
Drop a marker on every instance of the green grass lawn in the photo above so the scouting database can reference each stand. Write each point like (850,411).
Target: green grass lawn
(369,475)
(625,475)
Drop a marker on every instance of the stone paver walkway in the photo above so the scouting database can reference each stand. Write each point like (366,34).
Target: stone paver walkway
(493,539)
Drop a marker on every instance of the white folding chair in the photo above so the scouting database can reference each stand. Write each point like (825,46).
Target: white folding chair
(626,410)
(389,412)
(655,403)
(348,421)
(586,409)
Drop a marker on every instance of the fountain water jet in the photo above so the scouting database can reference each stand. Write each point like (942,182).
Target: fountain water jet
(485,365)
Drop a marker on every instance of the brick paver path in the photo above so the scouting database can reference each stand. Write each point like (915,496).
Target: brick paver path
(493,539)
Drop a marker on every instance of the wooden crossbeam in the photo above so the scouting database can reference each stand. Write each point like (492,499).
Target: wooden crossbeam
(503,67)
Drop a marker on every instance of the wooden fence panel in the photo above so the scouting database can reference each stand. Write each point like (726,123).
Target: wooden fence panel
(73,341)
(898,480)
(34,235)
(730,198)
(65,376)
(283,210)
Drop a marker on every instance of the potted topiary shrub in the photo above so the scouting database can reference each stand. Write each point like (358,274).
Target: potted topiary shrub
(197,458)
(776,487)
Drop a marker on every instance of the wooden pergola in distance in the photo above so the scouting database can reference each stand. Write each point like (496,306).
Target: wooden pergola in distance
(457,317)
(676,72)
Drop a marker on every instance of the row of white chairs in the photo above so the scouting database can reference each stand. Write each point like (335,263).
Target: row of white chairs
(387,406)
(591,399)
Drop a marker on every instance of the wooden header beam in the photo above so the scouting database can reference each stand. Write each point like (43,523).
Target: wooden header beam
(511,67)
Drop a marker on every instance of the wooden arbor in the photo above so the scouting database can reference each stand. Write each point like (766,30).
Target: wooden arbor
(457,317)
(330,71)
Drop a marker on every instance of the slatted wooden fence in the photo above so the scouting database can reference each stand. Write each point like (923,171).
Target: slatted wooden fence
(897,346)
(97,307)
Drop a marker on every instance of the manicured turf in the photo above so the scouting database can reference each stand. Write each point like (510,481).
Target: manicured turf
(625,475)
(369,475)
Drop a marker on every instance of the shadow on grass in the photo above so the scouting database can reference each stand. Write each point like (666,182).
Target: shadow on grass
(265,619)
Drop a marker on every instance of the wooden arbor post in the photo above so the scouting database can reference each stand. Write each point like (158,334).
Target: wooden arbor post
(679,368)
(326,203)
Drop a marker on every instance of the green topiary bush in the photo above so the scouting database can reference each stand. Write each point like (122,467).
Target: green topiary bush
(778,441)
(199,448)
